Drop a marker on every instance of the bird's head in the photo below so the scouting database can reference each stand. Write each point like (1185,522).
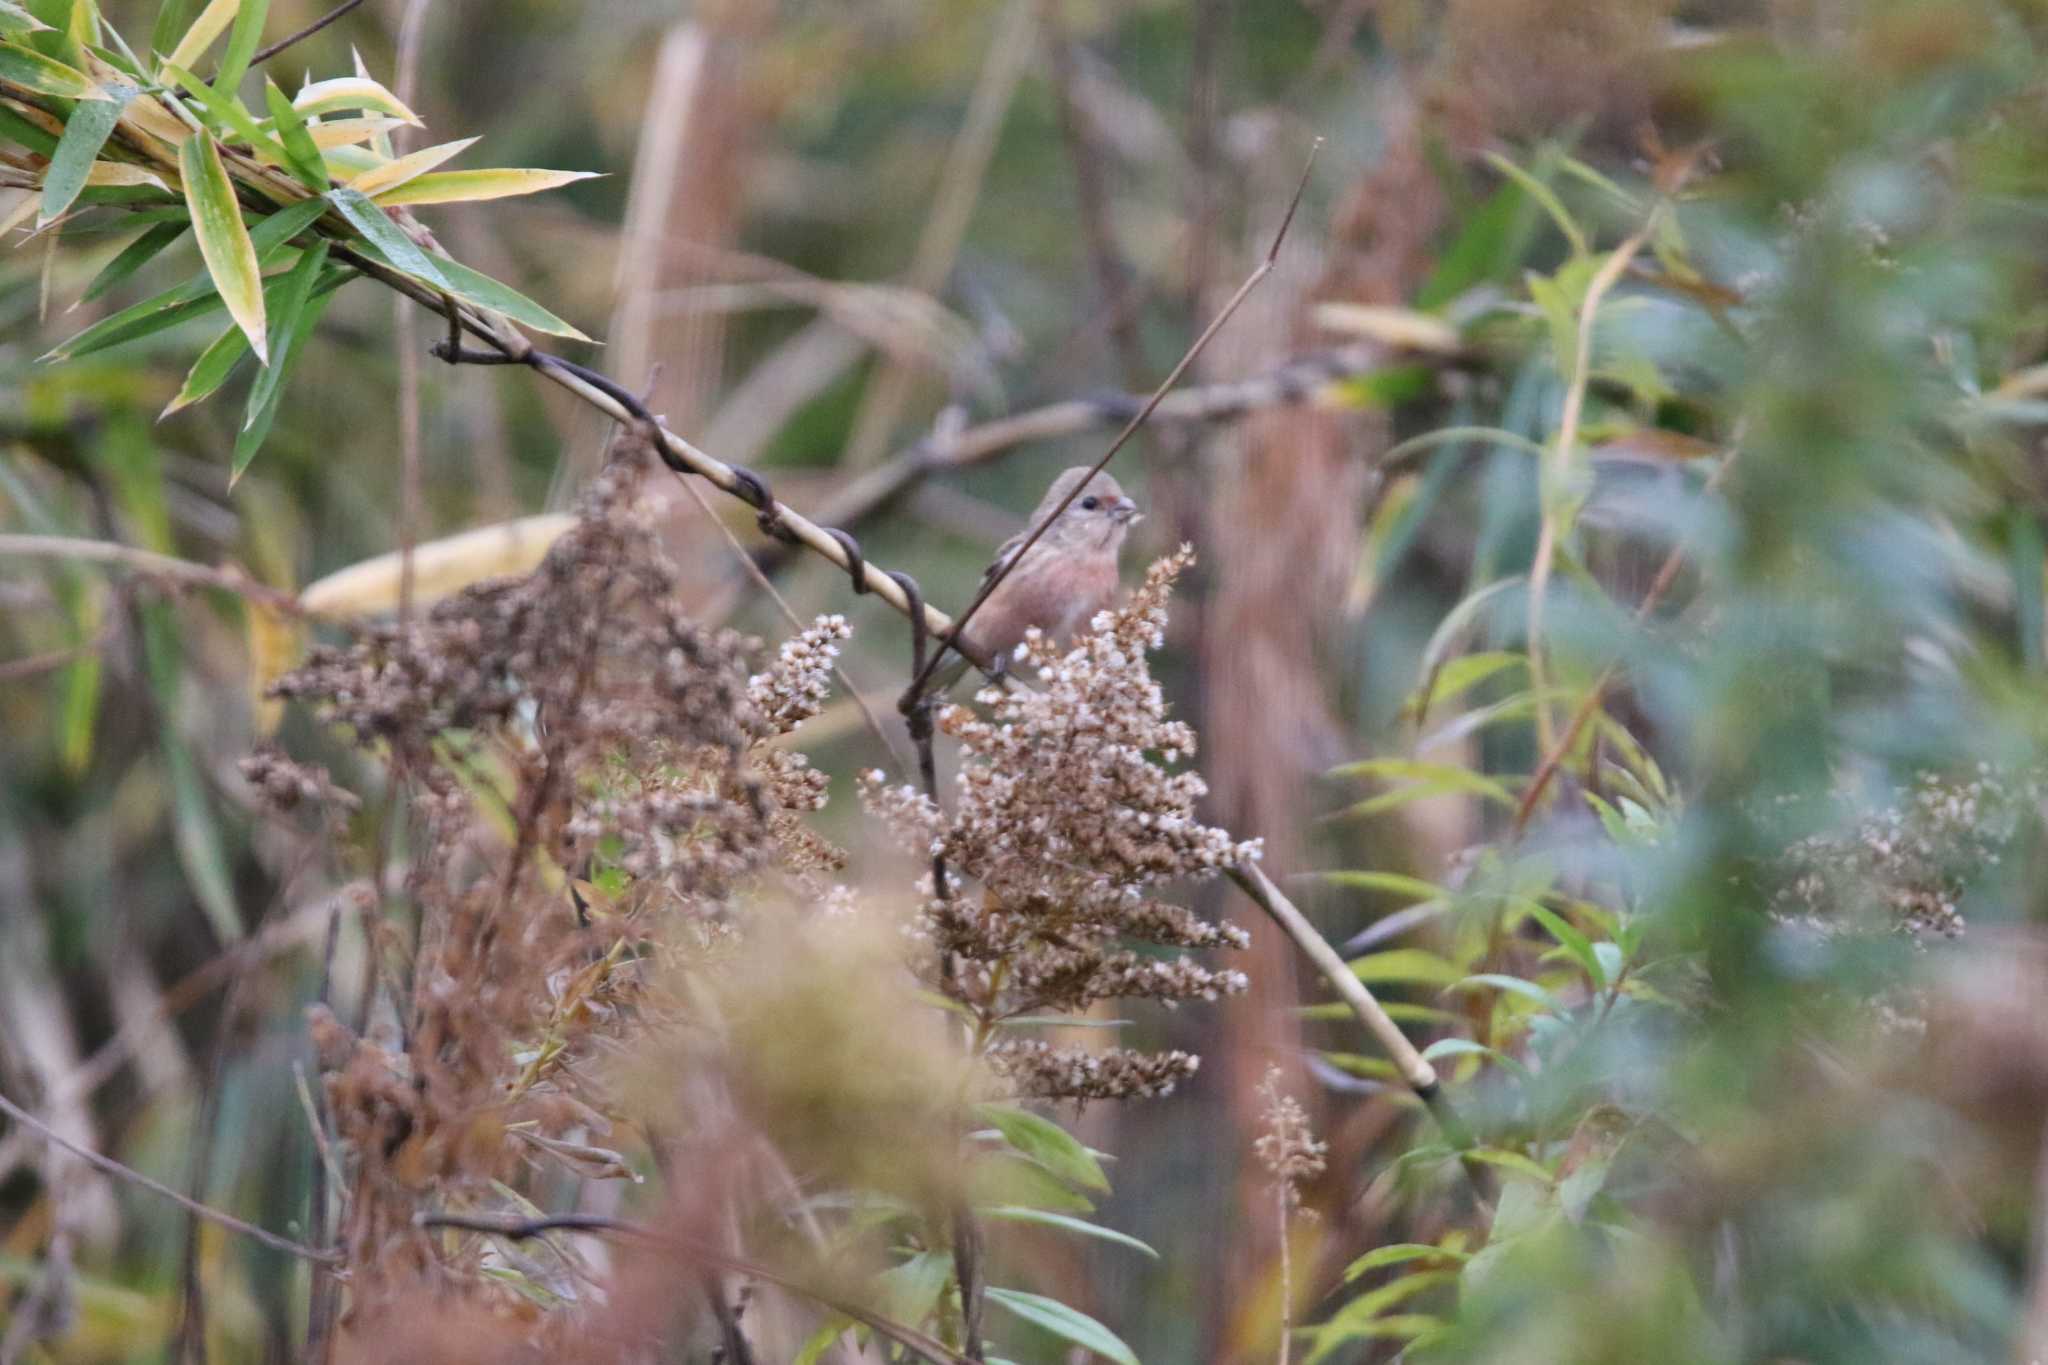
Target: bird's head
(1098,516)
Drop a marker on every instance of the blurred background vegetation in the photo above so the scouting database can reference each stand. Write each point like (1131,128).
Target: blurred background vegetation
(1710,870)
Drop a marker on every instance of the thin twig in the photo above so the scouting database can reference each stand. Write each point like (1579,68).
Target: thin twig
(147,563)
(264,54)
(520,1229)
(404,326)
(134,1177)
(951,637)
(1559,458)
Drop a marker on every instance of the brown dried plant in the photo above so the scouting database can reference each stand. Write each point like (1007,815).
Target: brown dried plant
(1068,818)
(595,785)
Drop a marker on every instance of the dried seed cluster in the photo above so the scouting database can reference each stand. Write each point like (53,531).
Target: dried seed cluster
(1286,1146)
(1068,818)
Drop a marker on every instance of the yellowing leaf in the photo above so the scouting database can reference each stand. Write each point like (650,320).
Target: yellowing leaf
(121,173)
(352,92)
(344,132)
(223,239)
(452,187)
(275,642)
(441,568)
(46,75)
(1401,328)
(211,23)
(395,173)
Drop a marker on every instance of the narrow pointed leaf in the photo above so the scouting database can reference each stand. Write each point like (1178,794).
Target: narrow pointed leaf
(85,133)
(223,240)
(1011,1213)
(211,23)
(352,92)
(304,303)
(474,287)
(14,19)
(1046,1143)
(301,152)
(134,256)
(242,45)
(459,187)
(172,18)
(31,70)
(1068,1324)
(345,132)
(119,175)
(17,127)
(227,111)
(392,174)
(194,298)
(385,235)
(213,368)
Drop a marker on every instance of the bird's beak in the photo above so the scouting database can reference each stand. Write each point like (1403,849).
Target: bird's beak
(1124,512)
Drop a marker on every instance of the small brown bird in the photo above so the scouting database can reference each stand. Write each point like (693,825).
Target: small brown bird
(1067,576)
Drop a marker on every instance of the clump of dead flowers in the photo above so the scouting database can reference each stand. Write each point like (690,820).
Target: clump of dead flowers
(1069,817)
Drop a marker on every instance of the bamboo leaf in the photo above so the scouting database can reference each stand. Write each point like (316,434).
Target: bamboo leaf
(456,187)
(211,23)
(301,150)
(31,70)
(352,92)
(85,133)
(218,361)
(386,236)
(1575,943)
(194,298)
(1399,1253)
(14,19)
(171,19)
(1410,888)
(345,132)
(134,256)
(1068,1324)
(242,45)
(1405,964)
(18,127)
(296,313)
(392,174)
(227,111)
(223,239)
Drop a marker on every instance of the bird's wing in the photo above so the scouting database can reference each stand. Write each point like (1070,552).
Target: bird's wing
(1004,554)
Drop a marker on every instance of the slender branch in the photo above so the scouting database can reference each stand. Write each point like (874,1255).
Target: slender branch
(520,1229)
(264,54)
(134,1177)
(147,563)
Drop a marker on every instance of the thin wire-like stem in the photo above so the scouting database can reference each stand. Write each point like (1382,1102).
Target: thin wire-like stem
(135,1177)
(404,327)
(264,54)
(167,568)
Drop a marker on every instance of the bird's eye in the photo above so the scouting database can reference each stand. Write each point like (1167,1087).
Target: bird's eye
(1089,504)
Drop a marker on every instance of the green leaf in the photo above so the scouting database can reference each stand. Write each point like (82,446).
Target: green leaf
(351,92)
(1046,1143)
(484,292)
(1406,964)
(1068,1324)
(223,239)
(1408,888)
(228,114)
(822,1340)
(194,298)
(85,133)
(462,187)
(211,23)
(1545,196)
(242,44)
(1510,1161)
(1575,943)
(1491,241)
(1514,985)
(1459,676)
(134,256)
(910,1292)
(1399,1253)
(411,166)
(1013,1213)
(1005,1178)
(33,136)
(1365,1317)
(301,152)
(391,243)
(14,19)
(298,310)
(195,832)
(172,19)
(215,364)
(46,75)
